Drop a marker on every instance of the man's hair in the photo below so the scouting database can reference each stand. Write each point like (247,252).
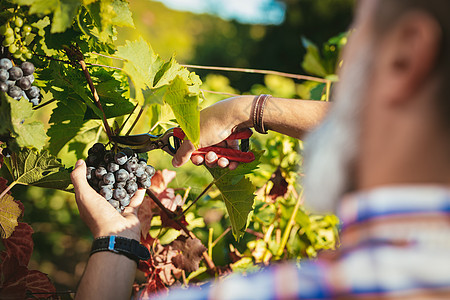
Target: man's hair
(390,11)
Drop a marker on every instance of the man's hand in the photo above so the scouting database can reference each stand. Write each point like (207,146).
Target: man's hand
(217,122)
(99,215)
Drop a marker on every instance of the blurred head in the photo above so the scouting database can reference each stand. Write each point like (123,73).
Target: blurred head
(389,104)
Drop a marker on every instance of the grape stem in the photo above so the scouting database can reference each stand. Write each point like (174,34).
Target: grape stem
(208,260)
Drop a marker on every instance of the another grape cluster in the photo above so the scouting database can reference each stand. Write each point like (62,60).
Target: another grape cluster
(14,33)
(17,81)
(117,176)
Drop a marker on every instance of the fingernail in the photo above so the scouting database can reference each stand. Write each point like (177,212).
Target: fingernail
(175,162)
(78,163)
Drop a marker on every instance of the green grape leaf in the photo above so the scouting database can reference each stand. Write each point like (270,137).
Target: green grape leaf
(16,116)
(63,15)
(237,192)
(63,11)
(66,121)
(123,16)
(185,108)
(9,213)
(37,168)
(141,64)
(312,62)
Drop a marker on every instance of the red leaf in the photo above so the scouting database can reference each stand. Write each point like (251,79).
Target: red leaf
(154,285)
(280,185)
(3,184)
(38,282)
(145,215)
(166,221)
(170,200)
(161,179)
(12,278)
(20,244)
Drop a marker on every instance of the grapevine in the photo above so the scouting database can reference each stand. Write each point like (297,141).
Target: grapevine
(64,57)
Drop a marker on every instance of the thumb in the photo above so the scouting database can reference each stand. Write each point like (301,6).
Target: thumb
(78,176)
(183,154)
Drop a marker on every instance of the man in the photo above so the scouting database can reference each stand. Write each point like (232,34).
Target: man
(380,158)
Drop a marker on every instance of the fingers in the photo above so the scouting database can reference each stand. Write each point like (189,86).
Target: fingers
(197,159)
(135,202)
(183,154)
(211,159)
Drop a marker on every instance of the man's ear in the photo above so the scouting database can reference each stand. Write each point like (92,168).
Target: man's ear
(408,54)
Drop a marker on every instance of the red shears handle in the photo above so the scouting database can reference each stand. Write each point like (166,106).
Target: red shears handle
(228,153)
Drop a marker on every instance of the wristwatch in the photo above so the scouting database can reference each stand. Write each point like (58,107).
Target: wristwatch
(117,244)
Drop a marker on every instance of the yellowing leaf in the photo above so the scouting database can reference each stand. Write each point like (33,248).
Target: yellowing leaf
(31,167)
(9,212)
(185,108)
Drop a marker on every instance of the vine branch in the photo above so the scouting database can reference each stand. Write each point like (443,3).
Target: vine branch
(169,213)
(75,54)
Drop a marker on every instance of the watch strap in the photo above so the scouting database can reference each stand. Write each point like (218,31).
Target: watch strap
(121,245)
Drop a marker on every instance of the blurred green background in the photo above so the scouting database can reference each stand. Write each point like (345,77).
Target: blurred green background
(62,241)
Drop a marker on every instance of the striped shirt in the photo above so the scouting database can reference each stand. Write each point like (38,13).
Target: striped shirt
(395,245)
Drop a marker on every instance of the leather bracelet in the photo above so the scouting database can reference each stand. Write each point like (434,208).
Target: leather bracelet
(258,113)
(121,245)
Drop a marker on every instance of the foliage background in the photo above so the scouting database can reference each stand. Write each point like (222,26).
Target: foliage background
(62,241)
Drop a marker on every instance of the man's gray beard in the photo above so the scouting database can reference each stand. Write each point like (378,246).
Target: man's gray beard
(331,149)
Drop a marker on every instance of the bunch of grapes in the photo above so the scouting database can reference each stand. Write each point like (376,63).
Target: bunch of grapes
(117,176)
(17,81)
(14,33)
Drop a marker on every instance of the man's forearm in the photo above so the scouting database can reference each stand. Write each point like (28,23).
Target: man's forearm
(107,276)
(292,117)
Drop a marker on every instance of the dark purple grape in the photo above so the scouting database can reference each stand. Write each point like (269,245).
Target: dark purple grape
(113,167)
(106,192)
(98,148)
(102,184)
(131,165)
(100,172)
(35,101)
(144,176)
(109,178)
(23,83)
(27,68)
(89,172)
(132,177)
(3,87)
(122,175)
(143,163)
(15,73)
(128,152)
(5,64)
(150,171)
(30,78)
(125,201)
(114,203)
(119,193)
(94,181)
(121,158)
(139,171)
(145,184)
(120,184)
(4,75)
(10,83)
(15,92)
(108,157)
(131,187)
(33,92)
(6,152)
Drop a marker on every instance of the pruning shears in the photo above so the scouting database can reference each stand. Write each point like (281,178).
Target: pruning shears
(170,142)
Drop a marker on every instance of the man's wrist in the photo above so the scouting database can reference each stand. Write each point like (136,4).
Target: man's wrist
(242,107)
